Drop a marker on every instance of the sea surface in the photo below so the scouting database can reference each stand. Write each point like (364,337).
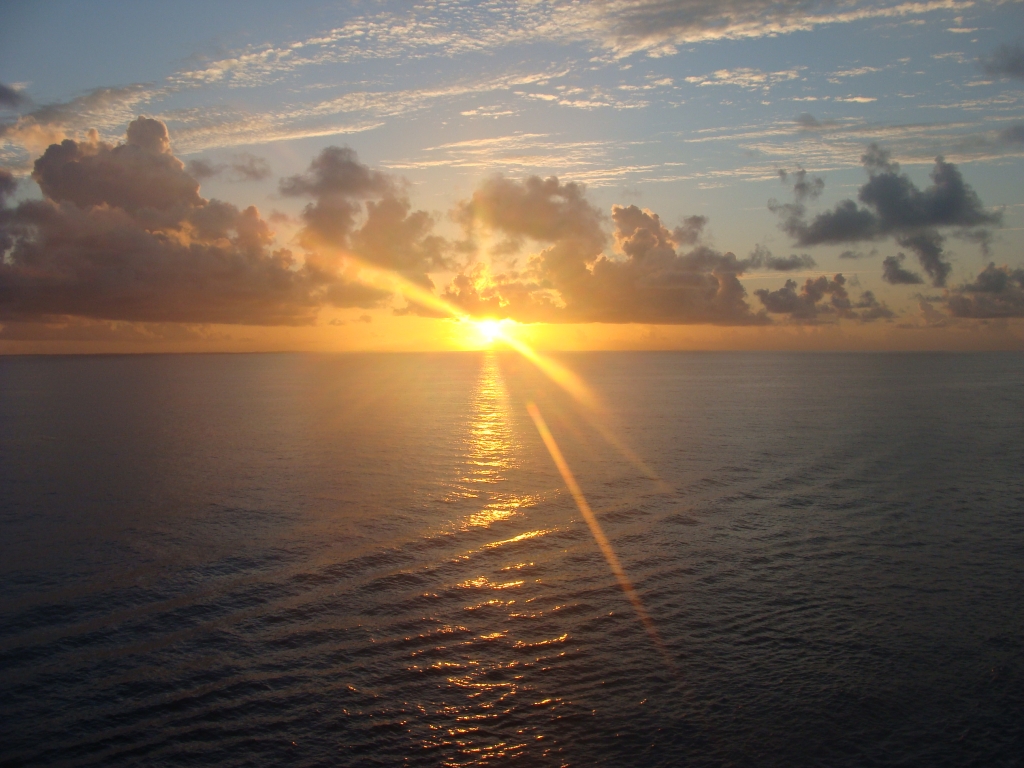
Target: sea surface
(372,560)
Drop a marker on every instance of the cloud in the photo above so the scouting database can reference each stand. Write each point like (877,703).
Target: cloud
(856,254)
(1012,135)
(11,98)
(658,26)
(392,236)
(808,122)
(123,234)
(996,292)
(745,77)
(101,108)
(8,184)
(1005,61)
(894,273)
(762,257)
(241,167)
(653,279)
(821,298)
(894,206)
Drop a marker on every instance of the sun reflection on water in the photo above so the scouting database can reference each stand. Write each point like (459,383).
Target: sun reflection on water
(490,450)
(483,662)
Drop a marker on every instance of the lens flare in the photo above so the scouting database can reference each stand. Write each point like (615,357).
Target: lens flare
(495,331)
(595,528)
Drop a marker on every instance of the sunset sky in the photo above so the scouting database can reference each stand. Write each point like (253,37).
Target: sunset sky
(618,175)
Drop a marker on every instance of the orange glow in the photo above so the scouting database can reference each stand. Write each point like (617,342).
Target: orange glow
(595,528)
(490,332)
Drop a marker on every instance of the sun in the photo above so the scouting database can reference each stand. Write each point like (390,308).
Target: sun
(491,331)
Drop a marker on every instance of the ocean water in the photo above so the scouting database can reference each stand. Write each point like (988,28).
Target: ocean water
(371,560)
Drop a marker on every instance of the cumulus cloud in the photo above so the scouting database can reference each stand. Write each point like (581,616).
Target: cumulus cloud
(123,234)
(894,273)
(996,292)
(392,236)
(822,299)
(241,167)
(1005,61)
(11,98)
(893,206)
(652,279)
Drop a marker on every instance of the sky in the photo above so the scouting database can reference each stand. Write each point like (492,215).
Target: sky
(608,175)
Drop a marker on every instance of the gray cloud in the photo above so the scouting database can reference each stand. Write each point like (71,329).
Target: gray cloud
(392,236)
(11,98)
(894,273)
(572,280)
(241,167)
(1005,61)
(122,234)
(821,299)
(762,257)
(996,292)
(893,206)
(1012,135)
(8,184)
(857,254)
(807,122)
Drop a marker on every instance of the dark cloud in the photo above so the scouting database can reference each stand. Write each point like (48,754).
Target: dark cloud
(8,185)
(1012,135)
(996,292)
(691,231)
(1005,61)
(138,174)
(655,280)
(11,98)
(203,169)
(122,234)
(807,122)
(894,273)
(872,309)
(392,235)
(761,257)
(857,254)
(804,188)
(241,167)
(821,299)
(894,206)
(79,329)
(927,245)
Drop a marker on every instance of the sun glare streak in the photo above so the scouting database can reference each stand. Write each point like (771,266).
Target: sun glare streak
(595,528)
(493,331)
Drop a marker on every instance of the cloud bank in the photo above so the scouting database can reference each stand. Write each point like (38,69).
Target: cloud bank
(122,233)
(659,276)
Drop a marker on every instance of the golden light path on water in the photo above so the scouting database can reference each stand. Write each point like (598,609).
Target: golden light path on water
(574,386)
(493,330)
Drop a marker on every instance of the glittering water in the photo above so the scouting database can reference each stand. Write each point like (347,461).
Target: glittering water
(370,560)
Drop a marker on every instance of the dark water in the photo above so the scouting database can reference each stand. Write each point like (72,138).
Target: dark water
(369,560)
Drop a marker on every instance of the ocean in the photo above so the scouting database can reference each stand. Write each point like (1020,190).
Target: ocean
(372,560)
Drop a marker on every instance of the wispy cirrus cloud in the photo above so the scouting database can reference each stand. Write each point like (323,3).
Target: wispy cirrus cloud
(745,77)
(618,27)
(106,110)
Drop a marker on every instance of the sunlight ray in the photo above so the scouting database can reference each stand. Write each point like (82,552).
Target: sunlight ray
(595,529)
